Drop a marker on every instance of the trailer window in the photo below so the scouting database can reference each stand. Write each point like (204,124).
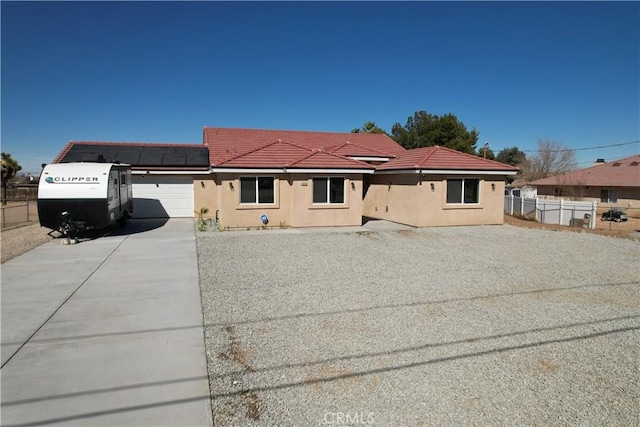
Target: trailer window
(123,179)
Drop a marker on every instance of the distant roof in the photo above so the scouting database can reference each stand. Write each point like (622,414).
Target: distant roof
(619,173)
(137,154)
(284,154)
(227,143)
(441,158)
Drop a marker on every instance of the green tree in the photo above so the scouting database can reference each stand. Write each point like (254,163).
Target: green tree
(511,156)
(426,130)
(10,168)
(369,127)
(486,153)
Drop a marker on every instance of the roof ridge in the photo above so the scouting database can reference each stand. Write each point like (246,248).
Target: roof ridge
(430,152)
(339,156)
(369,148)
(313,152)
(279,130)
(153,144)
(252,150)
(63,153)
(337,146)
(285,141)
(475,157)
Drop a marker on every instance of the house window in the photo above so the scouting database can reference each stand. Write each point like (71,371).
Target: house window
(463,190)
(328,190)
(257,189)
(609,196)
(557,192)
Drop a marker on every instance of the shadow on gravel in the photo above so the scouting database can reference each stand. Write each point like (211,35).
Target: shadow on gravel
(356,310)
(425,362)
(401,366)
(451,343)
(420,303)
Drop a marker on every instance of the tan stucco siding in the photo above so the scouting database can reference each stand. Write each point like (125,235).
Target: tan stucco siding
(205,194)
(304,213)
(292,205)
(410,199)
(396,198)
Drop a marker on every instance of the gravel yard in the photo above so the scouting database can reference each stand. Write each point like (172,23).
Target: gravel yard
(463,325)
(18,240)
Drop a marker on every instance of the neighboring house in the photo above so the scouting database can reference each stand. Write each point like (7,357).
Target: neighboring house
(304,179)
(612,184)
(521,188)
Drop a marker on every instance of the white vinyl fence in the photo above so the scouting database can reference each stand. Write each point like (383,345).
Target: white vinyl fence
(563,212)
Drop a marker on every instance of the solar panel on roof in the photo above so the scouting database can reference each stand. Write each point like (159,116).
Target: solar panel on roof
(150,157)
(174,159)
(140,155)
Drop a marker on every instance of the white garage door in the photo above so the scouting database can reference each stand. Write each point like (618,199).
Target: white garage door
(162,196)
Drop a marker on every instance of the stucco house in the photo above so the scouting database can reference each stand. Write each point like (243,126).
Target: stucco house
(612,184)
(436,186)
(304,179)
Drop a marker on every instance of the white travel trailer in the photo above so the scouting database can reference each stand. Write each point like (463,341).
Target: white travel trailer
(82,196)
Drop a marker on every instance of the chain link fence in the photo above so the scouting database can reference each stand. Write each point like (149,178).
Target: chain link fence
(21,207)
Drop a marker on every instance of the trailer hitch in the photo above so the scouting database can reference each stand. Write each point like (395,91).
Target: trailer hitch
(68,228)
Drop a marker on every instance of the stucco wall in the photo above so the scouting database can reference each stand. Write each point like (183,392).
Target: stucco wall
(205,193)
(410,199)
(305,214)
(293,202)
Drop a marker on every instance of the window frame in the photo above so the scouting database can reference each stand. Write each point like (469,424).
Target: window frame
(328,191)
(256,193)
(609,192)
(462,180)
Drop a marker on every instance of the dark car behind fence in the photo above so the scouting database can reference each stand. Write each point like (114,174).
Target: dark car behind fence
(562,212)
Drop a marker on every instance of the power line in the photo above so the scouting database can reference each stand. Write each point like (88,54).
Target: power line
(582,149)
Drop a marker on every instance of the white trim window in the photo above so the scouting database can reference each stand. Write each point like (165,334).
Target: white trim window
(608,196)
(463,191)
(257,190)
(328,190)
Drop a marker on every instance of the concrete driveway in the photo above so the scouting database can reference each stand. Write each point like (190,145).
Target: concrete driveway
(106,332)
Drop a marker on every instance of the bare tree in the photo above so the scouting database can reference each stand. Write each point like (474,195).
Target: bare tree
(571,189)
(551,158)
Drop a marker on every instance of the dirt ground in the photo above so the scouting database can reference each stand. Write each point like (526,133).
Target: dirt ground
(627,229)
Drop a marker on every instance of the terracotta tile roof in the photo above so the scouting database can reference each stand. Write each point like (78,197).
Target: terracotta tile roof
(322,160)
(227,143)
(620,173)
(139,154)
(284,154)
(352,149)
(440,158)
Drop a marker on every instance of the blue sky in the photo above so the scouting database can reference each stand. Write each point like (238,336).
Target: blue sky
(160,71)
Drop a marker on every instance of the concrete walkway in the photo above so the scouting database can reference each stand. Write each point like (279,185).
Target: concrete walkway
(106,332)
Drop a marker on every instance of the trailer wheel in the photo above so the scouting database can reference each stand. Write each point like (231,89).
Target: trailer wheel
(123,221)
